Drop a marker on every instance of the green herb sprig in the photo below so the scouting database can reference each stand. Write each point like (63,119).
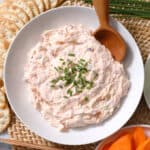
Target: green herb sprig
(73,75)
(129,7)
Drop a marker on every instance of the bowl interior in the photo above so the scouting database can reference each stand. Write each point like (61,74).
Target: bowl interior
(123,130)
(18,94)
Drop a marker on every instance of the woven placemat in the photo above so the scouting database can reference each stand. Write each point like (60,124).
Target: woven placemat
(140,29)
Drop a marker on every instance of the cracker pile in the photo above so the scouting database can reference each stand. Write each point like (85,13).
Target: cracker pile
(14,14)
(4,112)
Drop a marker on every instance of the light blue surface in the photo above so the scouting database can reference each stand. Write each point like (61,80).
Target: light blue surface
(4,146)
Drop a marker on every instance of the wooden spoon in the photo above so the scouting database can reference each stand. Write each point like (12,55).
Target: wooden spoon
(106,34)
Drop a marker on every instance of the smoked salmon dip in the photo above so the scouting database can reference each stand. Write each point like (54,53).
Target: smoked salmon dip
(73,78)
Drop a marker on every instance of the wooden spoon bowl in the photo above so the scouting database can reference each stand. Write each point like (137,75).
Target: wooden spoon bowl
(106,34)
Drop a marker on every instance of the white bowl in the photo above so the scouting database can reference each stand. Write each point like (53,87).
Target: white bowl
(123,130)
(18,94)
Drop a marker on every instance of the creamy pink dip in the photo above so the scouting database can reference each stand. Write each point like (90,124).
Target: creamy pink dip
(62,111)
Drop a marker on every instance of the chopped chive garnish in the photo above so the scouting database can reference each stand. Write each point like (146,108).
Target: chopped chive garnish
(89,85)
(71,54)
(54,81)
(95,75)
(61,59)
(86,98)
(56,68)
(52,85)
(73,74)
(79,90)
(69,92)
(65,96)
(82,59)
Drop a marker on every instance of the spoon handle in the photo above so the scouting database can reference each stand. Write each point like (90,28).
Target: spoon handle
(101,7)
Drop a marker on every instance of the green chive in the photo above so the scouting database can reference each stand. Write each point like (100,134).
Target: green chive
(52,86)
(78,90)
(86,98)
(65,96)
(61,59)
(82,60)
(89,85)
(95,75)
(69,92)
(56,69)
(71,54)
(135,8)
(54,81)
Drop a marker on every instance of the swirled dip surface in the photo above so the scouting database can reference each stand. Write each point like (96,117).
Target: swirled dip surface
(73,78)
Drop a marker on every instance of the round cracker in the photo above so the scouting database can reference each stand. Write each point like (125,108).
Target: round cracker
(14,9)
(1,78)
(5,116)
(36,5)
(22,4)
(12,17)
(4,44)
(7,33)
(2,57)
(47,4)
(54,3)
(40,5)
(2,100)
(3,49)
(8,36)
(33,7)
(60,2)
(8,23)
(3,89)
(2,97)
